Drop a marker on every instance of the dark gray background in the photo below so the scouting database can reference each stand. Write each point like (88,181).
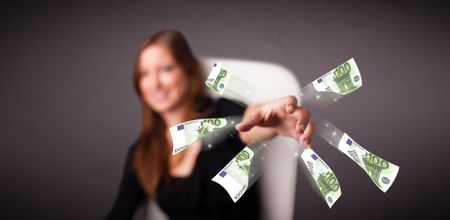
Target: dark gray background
(69,112)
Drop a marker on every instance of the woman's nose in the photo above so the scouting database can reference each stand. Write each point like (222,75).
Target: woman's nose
(155,80)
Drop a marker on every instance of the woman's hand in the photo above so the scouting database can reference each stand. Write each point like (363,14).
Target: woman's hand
(281,116)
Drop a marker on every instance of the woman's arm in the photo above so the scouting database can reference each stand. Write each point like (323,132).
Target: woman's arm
(279,117)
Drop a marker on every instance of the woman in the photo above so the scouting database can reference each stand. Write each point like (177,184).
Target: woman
(168,81)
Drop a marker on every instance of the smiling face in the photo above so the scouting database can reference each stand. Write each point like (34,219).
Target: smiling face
(163,82)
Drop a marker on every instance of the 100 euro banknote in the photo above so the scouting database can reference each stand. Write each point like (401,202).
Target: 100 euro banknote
(323,176)
(343,79)
(229,85)
(333,85)
(242,171)
(186,133)
(380,171)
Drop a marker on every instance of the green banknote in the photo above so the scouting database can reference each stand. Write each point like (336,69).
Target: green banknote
(343,79)
(333,85)
(380,171)
(323,176)
(221,81)
(218,78)
(242,171)
(188,132)
(234,177)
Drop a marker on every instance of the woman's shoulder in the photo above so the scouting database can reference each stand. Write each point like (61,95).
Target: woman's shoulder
(130,153)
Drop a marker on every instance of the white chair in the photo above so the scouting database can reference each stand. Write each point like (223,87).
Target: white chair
(278,188)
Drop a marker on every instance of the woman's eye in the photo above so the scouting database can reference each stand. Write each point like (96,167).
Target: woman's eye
(142,73)
(168,68)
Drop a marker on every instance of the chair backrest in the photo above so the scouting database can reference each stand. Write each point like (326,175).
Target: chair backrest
(280,167)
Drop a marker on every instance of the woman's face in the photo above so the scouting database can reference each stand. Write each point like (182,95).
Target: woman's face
(163,82)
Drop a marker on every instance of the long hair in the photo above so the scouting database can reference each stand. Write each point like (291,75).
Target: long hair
(151,157)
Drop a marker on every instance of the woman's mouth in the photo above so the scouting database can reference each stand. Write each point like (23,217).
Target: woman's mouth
(160,96)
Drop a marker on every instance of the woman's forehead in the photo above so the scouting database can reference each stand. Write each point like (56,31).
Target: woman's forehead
(155,55)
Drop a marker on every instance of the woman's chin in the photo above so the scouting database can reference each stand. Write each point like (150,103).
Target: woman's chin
(162,107)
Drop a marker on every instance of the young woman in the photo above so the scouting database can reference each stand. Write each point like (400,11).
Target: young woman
(168,80)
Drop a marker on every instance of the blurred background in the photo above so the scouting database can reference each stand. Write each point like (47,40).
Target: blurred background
(69,113)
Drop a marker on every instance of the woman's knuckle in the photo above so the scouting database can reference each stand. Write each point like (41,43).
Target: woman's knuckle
(291,99)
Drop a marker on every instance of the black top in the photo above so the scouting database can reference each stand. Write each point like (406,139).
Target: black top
(195,196)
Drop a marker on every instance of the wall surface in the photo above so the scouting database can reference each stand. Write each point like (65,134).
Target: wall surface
(68,110)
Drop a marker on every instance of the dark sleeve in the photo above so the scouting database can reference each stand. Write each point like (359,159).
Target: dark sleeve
(130,194)
(226,108)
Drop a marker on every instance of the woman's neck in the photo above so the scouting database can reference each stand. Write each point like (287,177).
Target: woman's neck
(176,116)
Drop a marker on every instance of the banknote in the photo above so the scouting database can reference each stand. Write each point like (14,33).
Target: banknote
(218,78)
(380,171)
(242,171)
(343,79)
(333,85)
(186,133)
(229,85)
(323,176)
